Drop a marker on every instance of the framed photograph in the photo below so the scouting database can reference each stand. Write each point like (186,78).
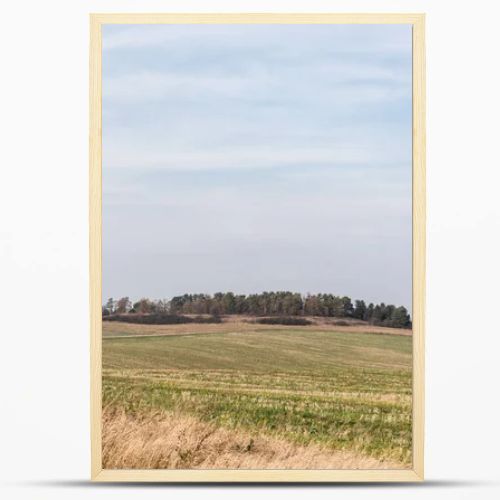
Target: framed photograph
(257,247)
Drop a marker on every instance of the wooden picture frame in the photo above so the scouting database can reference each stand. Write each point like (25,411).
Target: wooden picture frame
(418,197)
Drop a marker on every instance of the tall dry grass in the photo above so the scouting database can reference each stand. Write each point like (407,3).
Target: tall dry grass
(168,441)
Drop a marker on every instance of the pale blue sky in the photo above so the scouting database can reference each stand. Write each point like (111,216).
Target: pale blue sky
(257,157)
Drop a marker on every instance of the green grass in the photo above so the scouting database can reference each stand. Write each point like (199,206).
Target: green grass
(342,390)
(264,351)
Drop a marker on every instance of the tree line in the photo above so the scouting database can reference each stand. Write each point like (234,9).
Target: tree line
(266,304)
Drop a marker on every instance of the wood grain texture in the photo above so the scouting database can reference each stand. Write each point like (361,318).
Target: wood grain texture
(265,475)
(255,18)
(95,238)
(419,249)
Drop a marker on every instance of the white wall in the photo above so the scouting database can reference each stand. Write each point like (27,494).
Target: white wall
(43,246)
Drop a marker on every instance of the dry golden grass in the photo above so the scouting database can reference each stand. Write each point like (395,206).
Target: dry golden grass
(239,324)
(309,397)
(164,440)
(184,380)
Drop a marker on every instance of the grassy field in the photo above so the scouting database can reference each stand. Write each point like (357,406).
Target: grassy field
(256,396)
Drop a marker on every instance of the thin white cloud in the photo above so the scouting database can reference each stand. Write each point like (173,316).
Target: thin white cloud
(288,145)
(366,39)
(234,158)
(346,83)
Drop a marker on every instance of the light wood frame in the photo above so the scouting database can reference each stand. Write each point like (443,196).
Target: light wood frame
(267,475)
